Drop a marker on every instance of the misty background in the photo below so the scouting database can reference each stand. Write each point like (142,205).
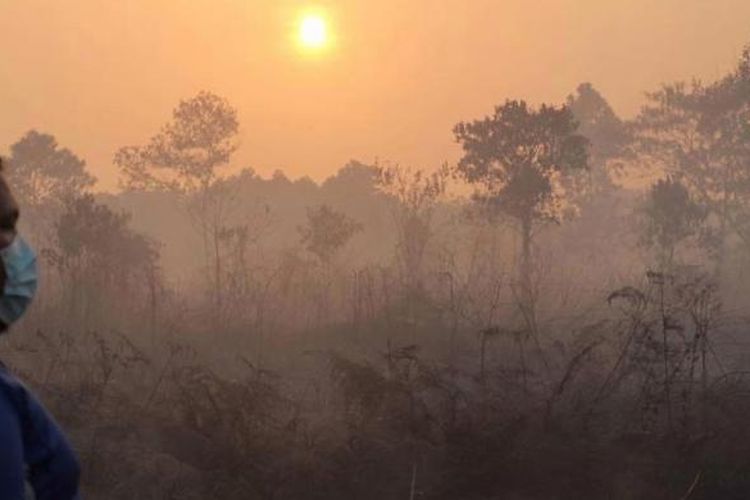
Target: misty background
(475,251)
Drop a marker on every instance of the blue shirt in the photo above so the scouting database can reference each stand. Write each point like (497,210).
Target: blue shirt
(33,449)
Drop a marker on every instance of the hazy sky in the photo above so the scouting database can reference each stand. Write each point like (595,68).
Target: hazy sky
(100,74)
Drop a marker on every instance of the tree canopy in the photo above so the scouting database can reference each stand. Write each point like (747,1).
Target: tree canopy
(185,154)
(516,154)
(42,172)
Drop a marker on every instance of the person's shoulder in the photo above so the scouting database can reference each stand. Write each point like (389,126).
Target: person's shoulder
(9,382)
(13,395)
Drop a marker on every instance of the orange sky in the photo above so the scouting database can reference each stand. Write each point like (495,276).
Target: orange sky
(101,74)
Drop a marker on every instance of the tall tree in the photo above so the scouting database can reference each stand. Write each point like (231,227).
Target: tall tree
(598,122)
(516,158)
(42,172)
(671,217)
(415,195)
(608,135)
(99,258)
(327,231)
(187,152)
(44,175)
(699,134)
(184,157)
(723,171)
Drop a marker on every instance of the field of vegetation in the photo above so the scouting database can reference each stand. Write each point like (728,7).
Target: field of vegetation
(559,315)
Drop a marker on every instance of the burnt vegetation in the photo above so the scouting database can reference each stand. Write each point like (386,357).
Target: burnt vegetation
(560,314)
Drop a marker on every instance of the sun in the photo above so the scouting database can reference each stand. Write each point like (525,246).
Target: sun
(313,31)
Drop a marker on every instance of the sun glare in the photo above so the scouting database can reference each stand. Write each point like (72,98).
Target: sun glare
(313,31)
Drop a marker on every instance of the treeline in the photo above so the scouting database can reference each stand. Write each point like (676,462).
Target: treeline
(565,299)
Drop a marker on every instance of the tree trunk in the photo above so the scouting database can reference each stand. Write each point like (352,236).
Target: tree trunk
(525,264)
(217,276)
(526,297)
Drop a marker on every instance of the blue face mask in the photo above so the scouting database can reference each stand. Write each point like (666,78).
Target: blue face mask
(21,278)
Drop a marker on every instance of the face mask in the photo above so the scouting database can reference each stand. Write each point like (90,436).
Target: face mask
(21,277)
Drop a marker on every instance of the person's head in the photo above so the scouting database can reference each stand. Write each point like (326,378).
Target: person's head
(18,273)
(9,211)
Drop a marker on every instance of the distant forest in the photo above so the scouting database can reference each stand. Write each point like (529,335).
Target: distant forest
(559,314)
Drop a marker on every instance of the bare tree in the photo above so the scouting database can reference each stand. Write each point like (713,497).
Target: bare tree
(416,194)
